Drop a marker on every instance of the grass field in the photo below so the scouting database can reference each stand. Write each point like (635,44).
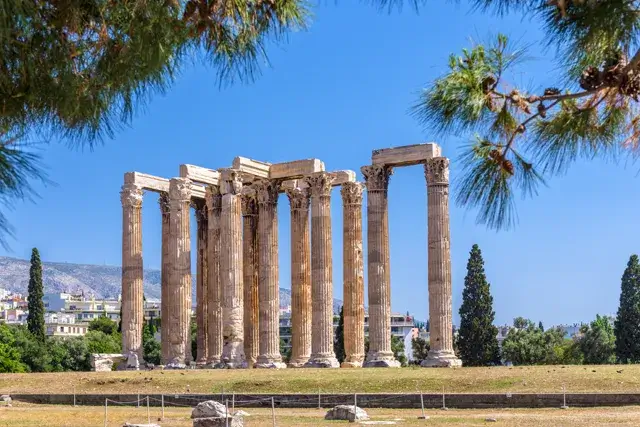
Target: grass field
(24,415)
(531,379)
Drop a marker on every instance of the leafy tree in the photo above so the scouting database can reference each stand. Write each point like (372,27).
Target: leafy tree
(285,351)
(540,326)
(151,347)
(104,325)
(194,338)
(598,342)
(526,344)
(34,352)
(521,136)
(568,352)
(338,344)
(420,348)
(627,324)
(397,346)
(477,336)
(10,360)
(35,319)
(120,319)
(99,342)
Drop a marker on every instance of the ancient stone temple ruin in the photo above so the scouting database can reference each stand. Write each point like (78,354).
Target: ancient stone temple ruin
(237,277)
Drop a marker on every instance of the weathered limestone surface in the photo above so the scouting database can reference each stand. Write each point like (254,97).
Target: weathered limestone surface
(353,275)
(199,174)
(340,177)
(209,408)
(132,296)
(250,268)
(439,238)
(214,414)
(231,270)
(165,273)
(322,354)
(104,362)
(268,285)
(157,184)
(295,169)
(349,413)
(214,310)
(300,277)
(202,284)
(406,155)
(252,168)
(379,275)
(180,270)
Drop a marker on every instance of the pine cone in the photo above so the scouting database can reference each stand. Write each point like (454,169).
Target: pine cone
(508,167)
(495,155)
(590,79)
(551,91)
(542,110)
(521,129)
(488,83)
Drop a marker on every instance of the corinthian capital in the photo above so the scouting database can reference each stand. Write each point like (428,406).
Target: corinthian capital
(249,202)
(436,171)
(320,183)
(230,182)
(212,197)
(180,189)
(131,195)
(352,193)
(377,177)
(298,198)
(267,191)
(163,201)
(201,211)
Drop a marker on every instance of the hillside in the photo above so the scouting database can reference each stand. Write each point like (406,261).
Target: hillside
(103,281)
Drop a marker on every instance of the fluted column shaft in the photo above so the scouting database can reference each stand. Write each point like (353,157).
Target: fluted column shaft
(250,269)
(214,310)
(132,275)
(378,263)
(202,281)
(165,280)
(322,354)
(180,273)
(300,277)
(268,280)
(439,263)
(353,274)
(231,270)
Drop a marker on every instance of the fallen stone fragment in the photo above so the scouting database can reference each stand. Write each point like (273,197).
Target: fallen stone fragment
(209,409)
(5,398)
(241,413)
(346,412)
(491,420)
(235,421)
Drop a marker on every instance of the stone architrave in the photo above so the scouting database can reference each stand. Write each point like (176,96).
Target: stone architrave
(231,270)
(250,274)
(214,310)
(268,284)
(353,274)
(378,264)
(132,275)
(441,353)
(163,201)
(180,273)
(322,354)
(202,284)
(300,277)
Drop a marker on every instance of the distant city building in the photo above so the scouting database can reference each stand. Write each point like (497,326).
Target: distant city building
(64,325)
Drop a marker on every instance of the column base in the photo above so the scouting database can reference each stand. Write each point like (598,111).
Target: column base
(298,363)
(322,361)
(441,359)
(236,364)
(381,360)
(251,361)
(266,362)
(175,364)
(201,363)
(351,365)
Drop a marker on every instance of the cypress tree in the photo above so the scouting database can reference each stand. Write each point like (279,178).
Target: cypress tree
(477,336)
(338,345)
(35,319)
(627,324)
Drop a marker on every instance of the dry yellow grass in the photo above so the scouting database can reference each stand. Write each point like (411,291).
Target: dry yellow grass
(531,379)
(24,415)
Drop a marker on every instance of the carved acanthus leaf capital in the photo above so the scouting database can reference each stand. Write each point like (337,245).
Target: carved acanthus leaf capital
(320,184)
(267,191)
(298,198)
(436,171)
(180,189)
(230,182)
(201,211)
(377,177)
(163,201)
(249,202)
(352,193)
(131,195)
(213,197)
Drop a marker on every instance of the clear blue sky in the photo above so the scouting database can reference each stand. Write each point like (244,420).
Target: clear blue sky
(336,92)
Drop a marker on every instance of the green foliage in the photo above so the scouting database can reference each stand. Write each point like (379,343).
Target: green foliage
(627,323)
(540,326)
(397,347)
(99,342)
(35,319)
(194,338)
(285,351)
(598,342)
(477,336)
(338,344)
(10,360)
(526,344)
(104,325)
(420,348)
(151,347)
(568,352)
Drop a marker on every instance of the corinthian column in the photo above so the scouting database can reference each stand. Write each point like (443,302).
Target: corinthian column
(378,263)
(322,354)
(231,270)
(132,309)
(300,277)
(202,288)
(180,273)
(250,270)
(353,274)
(436,172)
(268,285)
(214,310)
(165,272)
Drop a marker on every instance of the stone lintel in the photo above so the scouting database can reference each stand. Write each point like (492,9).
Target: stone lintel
(147,182)
(406,155)
(340,177)
(295,169)
(199,174)
(251,169)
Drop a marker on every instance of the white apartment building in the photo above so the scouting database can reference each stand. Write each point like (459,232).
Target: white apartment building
(64,325)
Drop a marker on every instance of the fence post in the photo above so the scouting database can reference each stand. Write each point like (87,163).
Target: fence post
(162,399)
(233,402)
(273,412)
(226,409)
(422,417)
(319,407)
(355,401)
(138,403)
(74,396)
(148,413)
(105,412)
(444,406)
